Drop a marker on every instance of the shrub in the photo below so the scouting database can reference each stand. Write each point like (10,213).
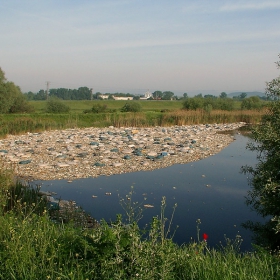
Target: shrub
(253,102)
(131,107)
(98,108)
(55,105)
(193,103)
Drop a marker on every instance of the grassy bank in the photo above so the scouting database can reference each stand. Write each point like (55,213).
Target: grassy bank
(20,123)
(32,246)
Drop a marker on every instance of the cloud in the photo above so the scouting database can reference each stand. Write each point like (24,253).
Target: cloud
(250,6)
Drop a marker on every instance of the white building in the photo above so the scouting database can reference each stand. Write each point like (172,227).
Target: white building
(103,96)
(123,98)
(147,95)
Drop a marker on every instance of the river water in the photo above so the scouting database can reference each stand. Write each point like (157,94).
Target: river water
(212,190)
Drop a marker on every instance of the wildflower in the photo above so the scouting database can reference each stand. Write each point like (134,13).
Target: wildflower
(205,236)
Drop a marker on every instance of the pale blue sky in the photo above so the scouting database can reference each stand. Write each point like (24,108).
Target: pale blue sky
(131,45)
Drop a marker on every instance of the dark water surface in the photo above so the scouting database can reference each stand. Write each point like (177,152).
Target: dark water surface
(212,190)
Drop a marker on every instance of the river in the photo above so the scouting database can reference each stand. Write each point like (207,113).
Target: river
(212,190)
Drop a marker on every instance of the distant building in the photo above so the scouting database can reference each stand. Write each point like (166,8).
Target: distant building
(147,95)
(103,96)
(122,98)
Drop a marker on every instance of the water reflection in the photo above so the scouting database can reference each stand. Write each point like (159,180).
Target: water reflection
(211,190)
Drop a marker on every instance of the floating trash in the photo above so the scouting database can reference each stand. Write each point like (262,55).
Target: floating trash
(99,164)
(148,206)
(24,161)
(181,144)
(94,143)
(127,157)
(82,155)
(61,165)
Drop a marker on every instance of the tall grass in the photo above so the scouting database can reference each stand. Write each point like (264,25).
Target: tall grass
(32,246)
(16,124)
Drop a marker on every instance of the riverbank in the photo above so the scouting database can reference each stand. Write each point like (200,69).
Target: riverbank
(90,152)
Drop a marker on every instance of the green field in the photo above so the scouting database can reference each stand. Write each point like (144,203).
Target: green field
(78,106)
(153,113)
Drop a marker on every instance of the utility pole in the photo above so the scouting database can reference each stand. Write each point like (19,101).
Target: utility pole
(47,90)
(91,94)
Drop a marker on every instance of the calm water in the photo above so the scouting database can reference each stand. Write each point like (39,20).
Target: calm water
(220,206)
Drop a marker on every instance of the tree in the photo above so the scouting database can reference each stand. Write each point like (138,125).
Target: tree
(199,95)
(29,95)
(264,196)
(185,95)
(157,94)
(11,98)
(210,96)
(223,95)
(167,95)
(242,95)
(41,95)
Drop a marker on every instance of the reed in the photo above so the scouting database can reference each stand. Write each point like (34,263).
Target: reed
(19,123)
(32,246)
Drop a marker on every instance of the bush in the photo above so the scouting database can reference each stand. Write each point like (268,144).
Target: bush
(98,108)
(131,107)
(253,102)
(55,105)
(193,103)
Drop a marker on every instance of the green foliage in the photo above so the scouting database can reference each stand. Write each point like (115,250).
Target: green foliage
(54,105)
(193,103)
(253,102)
(33,247)
(131,107)
(205,103)
(264,196)
(157,94)
(242,95)
(11,98)
(167,95)
(223,95)
(99,108)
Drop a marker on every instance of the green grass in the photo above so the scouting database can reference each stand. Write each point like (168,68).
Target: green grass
(21,123)
(32,246)
(78,106)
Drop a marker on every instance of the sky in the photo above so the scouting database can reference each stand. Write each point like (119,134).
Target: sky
(131,46)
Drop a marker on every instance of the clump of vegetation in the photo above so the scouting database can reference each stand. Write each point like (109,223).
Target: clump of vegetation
(11,98)
(253,102)
(265,176)
(131,107)
(55,105)
(97,108)
(32,246)
(222,103)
